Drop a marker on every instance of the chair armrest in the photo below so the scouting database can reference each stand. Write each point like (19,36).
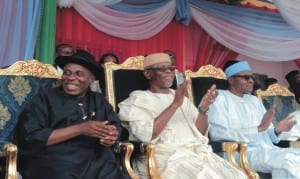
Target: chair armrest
(229,148)
(125,150)
(148,149)
(295,144)
(287,144)
(244,162)
(9,151)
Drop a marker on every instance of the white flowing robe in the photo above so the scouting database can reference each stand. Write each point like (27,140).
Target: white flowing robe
(181,151)
(235,118)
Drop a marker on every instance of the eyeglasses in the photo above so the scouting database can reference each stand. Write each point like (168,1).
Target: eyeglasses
(163,69)
(245,77)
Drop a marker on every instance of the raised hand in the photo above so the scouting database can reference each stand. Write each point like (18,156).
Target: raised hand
(286,124)
(180,93)
(208,98)
(267,119)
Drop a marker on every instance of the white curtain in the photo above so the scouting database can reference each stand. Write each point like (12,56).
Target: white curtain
(247,42)
(290,10)
(19,22)
(262,36)
(70,3)
(131,26)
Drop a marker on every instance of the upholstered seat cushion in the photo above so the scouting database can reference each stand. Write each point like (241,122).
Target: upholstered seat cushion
(200,85)
(126,81)
(15,93)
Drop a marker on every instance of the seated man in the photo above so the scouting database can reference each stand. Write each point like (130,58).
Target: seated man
(238,116)
(174,125)
(293,79)
(67,132)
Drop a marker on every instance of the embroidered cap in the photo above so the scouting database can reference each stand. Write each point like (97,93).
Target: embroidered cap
(237,68)
(156,58)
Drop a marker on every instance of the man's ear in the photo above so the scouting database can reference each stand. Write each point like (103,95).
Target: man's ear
(147,75)
(230,80)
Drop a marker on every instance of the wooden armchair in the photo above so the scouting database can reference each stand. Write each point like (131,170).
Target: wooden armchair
(19,84)
(285,104)
(121,80)
(201,81)
(116,80)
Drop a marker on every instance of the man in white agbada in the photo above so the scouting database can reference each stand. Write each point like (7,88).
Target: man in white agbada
(238,116)
(167,119)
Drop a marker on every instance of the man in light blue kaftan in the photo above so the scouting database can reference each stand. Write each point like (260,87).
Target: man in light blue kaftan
(171,122)
(237,115)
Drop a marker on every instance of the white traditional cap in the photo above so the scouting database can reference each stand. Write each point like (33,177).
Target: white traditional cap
(156,58)
(237,68)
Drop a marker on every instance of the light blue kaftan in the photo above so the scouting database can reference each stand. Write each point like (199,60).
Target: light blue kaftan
(235,118)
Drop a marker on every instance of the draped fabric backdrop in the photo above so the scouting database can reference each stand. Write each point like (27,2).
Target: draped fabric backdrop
(192,45)
(19,22)
(203,49)
(258,34)
(261,35)
(46,36)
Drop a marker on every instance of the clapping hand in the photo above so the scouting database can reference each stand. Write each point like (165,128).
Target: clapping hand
(208,98)
(286,124)
(267,119)
(180,93)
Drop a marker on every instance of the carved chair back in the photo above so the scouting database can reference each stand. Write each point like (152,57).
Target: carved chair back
(19,83)
(202,80)
(282,97)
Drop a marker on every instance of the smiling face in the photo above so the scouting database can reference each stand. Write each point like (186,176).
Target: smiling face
(161,76)
(76,79)
(241,83)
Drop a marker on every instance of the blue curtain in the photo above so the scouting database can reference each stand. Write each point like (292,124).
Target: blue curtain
(18,28)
